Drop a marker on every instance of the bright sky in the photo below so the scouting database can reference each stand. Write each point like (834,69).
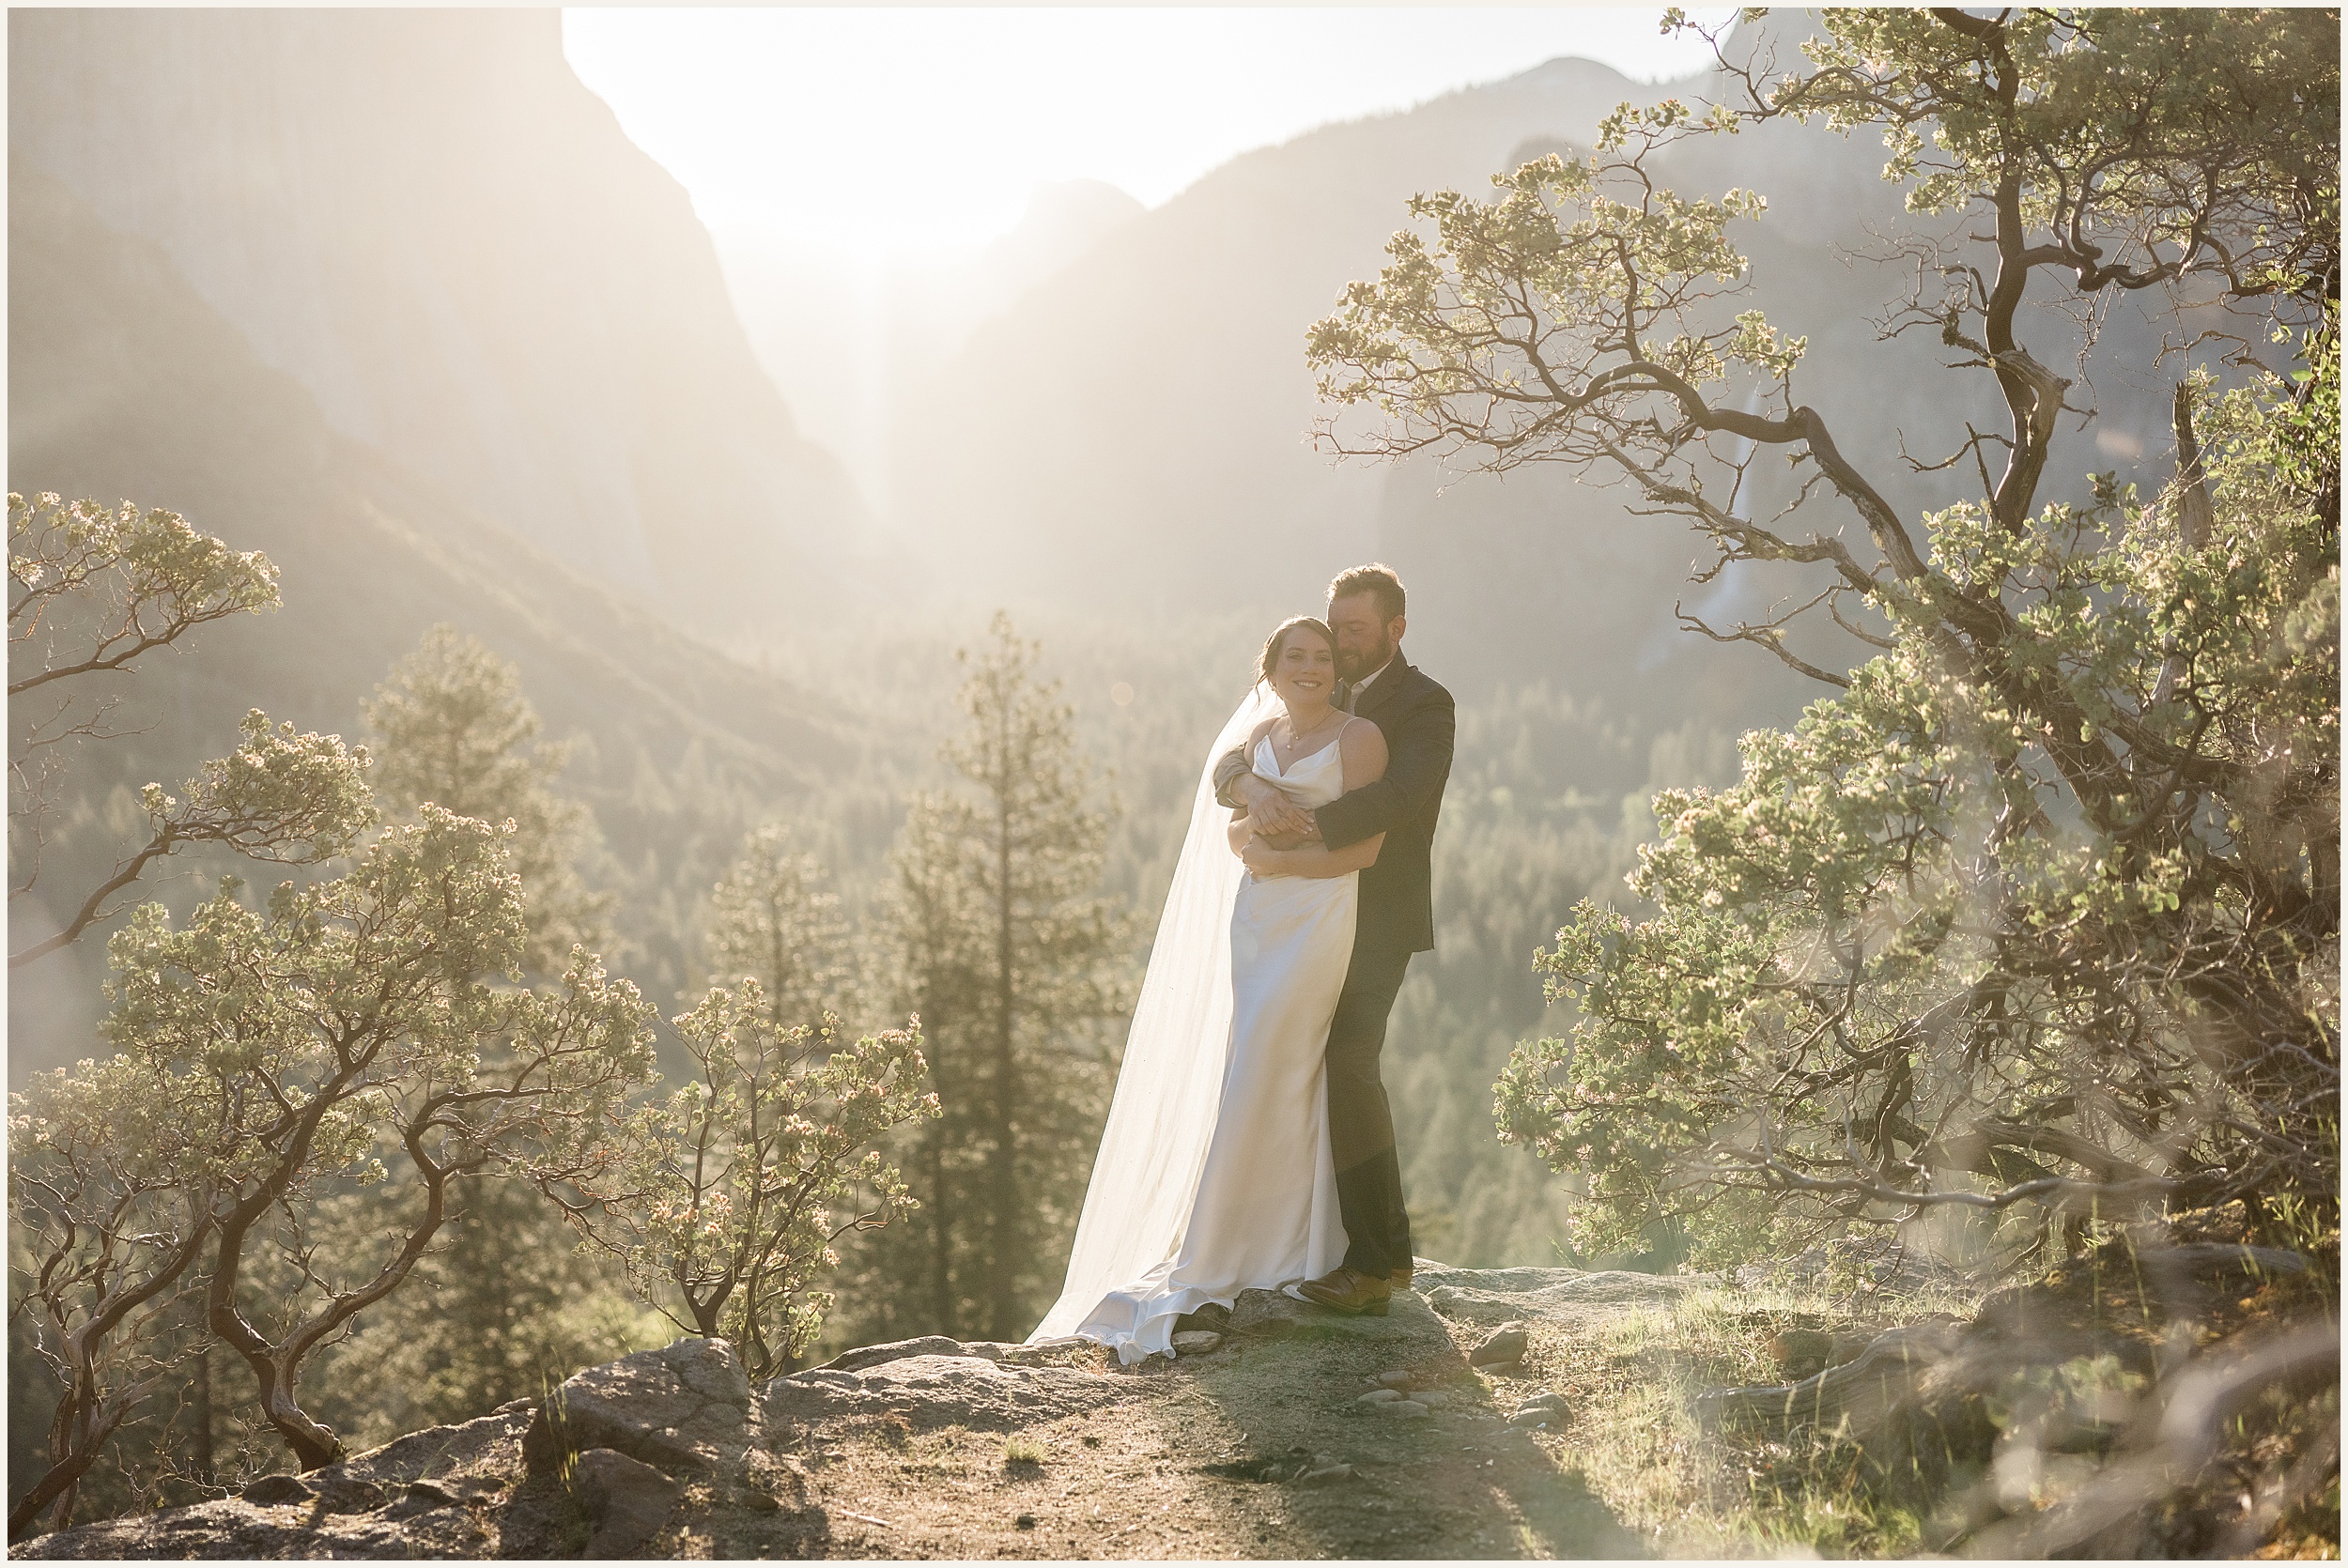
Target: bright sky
(872,130)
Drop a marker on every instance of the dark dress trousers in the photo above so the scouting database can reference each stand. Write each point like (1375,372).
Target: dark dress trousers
(1396,918)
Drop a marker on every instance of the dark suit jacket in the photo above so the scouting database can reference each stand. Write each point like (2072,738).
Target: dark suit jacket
(1414,714)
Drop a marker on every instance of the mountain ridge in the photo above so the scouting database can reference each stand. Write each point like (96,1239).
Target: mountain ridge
(1143,420)
(125,384)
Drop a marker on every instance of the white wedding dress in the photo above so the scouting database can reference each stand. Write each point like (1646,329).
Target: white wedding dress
(1214,1174)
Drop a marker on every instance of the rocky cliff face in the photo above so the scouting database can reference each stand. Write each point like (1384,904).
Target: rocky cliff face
(426,221)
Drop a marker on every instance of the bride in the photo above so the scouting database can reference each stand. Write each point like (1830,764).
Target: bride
(1214,1173)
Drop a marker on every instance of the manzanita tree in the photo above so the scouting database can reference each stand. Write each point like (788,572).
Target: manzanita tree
(729,1196)
(342,1034)
(2038,912)
(92,589)
(345,1033)
(109,1216)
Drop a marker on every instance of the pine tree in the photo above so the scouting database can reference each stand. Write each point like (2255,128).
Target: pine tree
(773,917)
(1014,963)
(453,728)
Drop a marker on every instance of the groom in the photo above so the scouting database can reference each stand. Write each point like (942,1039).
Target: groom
(1396,919)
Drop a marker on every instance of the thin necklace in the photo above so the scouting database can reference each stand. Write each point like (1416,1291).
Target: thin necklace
(1297,741)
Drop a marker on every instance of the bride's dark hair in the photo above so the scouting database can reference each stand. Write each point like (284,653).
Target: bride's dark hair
(1279,636)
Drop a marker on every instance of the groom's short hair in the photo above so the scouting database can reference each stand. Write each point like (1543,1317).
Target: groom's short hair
(1378,578)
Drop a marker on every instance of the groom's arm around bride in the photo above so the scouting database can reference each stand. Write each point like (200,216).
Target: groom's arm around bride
(1415,714)
(1397,893)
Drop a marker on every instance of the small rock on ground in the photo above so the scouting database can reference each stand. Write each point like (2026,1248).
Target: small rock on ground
(271,1490)
(1504,1345)
(1196,1342)
(626,1500)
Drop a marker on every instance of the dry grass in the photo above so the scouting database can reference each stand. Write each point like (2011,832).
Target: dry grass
(1632,1434)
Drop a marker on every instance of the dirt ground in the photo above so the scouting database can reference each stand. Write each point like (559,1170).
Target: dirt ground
(1263,1448)
(1207,1462)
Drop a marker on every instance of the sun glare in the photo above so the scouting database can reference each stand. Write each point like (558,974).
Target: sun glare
(879,131)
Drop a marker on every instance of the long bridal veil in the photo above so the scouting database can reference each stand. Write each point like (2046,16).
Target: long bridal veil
(1163,1116)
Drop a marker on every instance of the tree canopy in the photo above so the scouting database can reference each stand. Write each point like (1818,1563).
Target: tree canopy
(2041,907)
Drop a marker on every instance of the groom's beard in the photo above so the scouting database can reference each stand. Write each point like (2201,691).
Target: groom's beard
(1353,667)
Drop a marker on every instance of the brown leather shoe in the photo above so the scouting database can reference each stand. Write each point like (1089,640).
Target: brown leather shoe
(1349,1291)
(1402,1278)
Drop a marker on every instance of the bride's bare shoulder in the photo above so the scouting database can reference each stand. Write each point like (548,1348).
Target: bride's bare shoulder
(1362,748)
(1263,729)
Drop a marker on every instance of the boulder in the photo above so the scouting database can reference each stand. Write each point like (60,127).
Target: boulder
(1196,1342)
(427,1495)
(1212,1316)
(687,1407)
(627,1500)
(460,1459)
(1801,1352)
(271,1491)
(896,1351)
(339,1492)
(941,1390)
(1501,1347)
(1042,1352)
(400,1500)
